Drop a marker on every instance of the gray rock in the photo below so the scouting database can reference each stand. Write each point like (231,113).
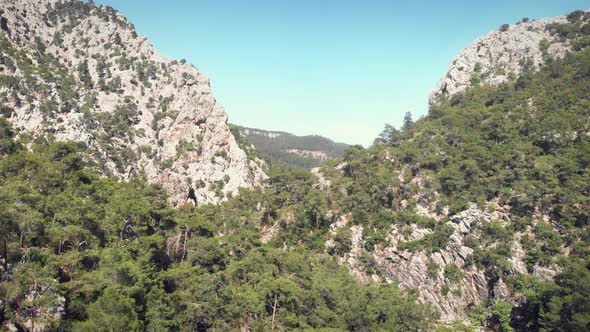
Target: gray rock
(544,273)
(498,54)
(178,135)
(501,291)
(409,269)
(469,218)
(48,309)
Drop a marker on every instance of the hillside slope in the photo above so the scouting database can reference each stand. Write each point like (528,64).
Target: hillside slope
(294,151)
(482,206)
(72,70)
(477,215)
(84,252)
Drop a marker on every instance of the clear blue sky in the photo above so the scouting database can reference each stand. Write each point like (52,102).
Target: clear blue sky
(337,68)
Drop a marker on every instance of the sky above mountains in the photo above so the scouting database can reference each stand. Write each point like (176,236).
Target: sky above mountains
(336,68)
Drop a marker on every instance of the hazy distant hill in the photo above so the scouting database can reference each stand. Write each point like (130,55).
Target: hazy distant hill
(296,151)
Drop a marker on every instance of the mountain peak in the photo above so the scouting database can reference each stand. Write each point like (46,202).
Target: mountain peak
(78,71)
(503,54)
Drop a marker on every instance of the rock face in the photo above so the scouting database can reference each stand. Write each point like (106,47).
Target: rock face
(447,279)
(76,71)
(41,317)
(453,262)
(412,271)
(493,58)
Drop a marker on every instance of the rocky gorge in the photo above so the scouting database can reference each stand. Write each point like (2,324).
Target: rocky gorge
(473,216)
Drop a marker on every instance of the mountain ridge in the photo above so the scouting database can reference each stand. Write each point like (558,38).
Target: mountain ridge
(476,220)
(475,216)
(105,86)
(501,54)
(299,151)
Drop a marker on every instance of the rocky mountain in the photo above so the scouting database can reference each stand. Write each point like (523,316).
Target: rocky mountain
(294,151)
(503,54)
(474,217)
(73,70)
(457,208)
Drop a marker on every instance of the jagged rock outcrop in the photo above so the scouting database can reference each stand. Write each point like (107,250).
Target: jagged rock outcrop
(353,258)
(411,270)
(41,309)
(77,71)
(447,279)
(502,54)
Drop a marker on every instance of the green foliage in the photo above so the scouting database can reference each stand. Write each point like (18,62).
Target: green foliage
(111,312)
(478,315)
(568,308)
(431,242)
(495,260)
(576,29)
(453,273)
(184,146)
(387,136)
(84,74)
(373,237)
(124,261)
(456,326)
(411,218)
(342,241)
(7,135)
(408,122)
(495,231)
(445,289)
(501,312)
(432,269)
(276,147)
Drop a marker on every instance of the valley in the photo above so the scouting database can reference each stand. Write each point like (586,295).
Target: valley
(129,203)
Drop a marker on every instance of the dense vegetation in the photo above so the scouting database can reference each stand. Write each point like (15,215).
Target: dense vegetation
(523,144)
(114,257)
(80,251)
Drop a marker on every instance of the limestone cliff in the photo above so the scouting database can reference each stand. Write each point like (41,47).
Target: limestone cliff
(503,53)
(73,70)
(460,258)
(446,278)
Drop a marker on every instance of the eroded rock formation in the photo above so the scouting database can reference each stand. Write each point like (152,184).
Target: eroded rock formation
(77,71)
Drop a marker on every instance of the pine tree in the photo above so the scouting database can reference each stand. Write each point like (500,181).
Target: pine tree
(408,122)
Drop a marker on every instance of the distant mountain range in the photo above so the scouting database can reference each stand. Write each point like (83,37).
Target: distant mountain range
(291,150)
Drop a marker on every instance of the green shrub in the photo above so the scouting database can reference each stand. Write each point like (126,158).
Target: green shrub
(445,289)
(501,312)
(432,269)
(432,242)
(342,241)
(453,273)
